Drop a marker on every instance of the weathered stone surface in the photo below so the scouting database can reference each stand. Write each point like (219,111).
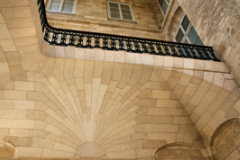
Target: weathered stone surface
(125,106)
(217,23)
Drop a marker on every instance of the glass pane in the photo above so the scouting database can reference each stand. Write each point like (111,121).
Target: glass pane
(114,10)
(126,13)
(113,5)
(199,42)
(179,36)
(55,5)
(115,15)
(126,7)
(193,36)
(127,17)
(163,5)
(185,23)
(186,41)
(67,6)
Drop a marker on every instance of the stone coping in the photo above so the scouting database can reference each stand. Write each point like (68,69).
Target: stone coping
(133,58)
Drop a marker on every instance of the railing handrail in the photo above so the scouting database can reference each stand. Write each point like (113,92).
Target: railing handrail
(132,44)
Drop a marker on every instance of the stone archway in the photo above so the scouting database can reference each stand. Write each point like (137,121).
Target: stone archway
(225,142)
(178,151)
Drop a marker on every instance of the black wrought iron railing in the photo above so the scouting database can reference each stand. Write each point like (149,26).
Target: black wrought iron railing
(67,37)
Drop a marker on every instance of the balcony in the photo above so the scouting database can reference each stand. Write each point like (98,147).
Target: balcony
(83,39)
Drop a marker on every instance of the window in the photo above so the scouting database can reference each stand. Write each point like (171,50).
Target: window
(164,4)
(186,33)
(120,11)
(64,6)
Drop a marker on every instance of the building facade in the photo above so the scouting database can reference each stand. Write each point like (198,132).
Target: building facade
(105,81)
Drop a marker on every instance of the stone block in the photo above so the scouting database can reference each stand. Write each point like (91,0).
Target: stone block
(7,45)
(182,120)
(26,105)
(23,86)
(13,3)
(52,153)
(4,67)
(21,132)
(209,76)
(4,132)
(167,103)
(218,79)
(161,128)
(12,114)
(22,32)
(18,141)
(178,62)
(16,12)
(168,137)
(188,63)
(158,61)
(36,115)
(42,143)
(4,33)
(129,57)
(29,152)
(28,124)
(237,106)
(1,19)
(15,95)
(199,65)
(19,23)
(161,94)
(168,61)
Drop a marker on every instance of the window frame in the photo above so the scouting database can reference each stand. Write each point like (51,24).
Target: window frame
(61,7)
(187,32)
(120,12)
(161,9)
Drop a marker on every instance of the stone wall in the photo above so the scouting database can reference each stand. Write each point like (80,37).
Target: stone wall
(53,107)
(64,108)
(218,23)
(91,15)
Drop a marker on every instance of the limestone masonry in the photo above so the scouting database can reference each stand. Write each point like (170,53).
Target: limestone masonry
(75,103)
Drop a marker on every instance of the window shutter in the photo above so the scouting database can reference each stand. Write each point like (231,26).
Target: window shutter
(68,6)
(114,10)
(126,12)
(55,5)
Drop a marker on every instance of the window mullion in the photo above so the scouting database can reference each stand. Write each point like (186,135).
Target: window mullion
(74,6)
(61,6)
(120,10)
(189,29)
(167,2)
(184,33)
